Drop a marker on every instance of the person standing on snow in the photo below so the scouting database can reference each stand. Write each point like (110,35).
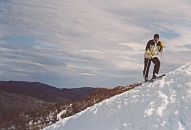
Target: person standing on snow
(153,48)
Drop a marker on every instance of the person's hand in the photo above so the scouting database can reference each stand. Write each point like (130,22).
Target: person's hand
(162,44)
(149,55)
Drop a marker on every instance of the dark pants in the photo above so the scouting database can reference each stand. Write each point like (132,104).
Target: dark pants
(147,63)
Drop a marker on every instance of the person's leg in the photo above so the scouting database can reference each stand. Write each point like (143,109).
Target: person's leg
(147,63)
(156,61)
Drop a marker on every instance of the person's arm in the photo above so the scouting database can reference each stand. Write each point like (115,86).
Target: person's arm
(162,46)
(147,46)
(147,51)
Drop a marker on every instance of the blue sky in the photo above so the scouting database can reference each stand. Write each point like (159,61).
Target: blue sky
(89,43)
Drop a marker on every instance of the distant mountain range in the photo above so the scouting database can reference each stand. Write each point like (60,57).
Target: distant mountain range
(33,105)
(20,96)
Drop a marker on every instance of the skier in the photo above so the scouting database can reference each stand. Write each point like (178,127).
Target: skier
(153,48)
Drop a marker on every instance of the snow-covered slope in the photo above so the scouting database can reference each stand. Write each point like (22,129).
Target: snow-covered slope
(164,104)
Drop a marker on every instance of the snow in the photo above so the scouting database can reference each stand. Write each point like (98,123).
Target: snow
(164,104)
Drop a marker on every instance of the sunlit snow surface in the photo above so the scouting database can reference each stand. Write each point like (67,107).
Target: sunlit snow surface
(164,104)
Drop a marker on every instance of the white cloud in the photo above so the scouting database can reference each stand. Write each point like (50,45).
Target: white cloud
(73,37)
(92,51)
(87,74)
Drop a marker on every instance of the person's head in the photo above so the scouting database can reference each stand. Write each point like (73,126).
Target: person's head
(156,37)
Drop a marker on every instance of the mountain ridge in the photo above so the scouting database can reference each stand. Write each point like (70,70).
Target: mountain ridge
(44,92)
(21,97)
(39,119)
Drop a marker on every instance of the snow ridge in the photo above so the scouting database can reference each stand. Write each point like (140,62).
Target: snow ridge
(164,104)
